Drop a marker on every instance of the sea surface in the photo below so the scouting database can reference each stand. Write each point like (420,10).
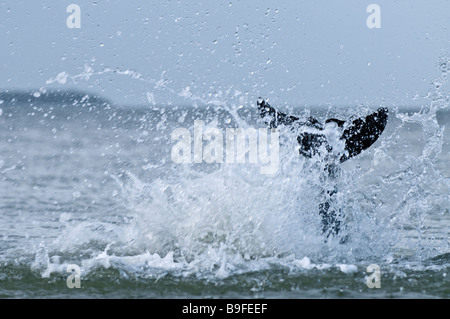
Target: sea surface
(85,183)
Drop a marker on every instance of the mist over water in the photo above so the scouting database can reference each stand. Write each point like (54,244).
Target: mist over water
(89,183)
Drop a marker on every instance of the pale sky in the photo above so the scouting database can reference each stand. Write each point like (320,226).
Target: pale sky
(292,52)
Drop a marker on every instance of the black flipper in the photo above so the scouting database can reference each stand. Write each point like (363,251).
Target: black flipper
(362,133)
(276,118)
(359,135)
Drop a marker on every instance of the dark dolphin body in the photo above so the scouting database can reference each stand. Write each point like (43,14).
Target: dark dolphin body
(358,134)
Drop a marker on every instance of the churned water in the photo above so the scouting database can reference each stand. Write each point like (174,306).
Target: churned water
(87,183)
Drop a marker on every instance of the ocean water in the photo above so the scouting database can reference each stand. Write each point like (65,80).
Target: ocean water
(87,183)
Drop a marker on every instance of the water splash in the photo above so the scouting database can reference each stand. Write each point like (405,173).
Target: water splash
(222,220)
